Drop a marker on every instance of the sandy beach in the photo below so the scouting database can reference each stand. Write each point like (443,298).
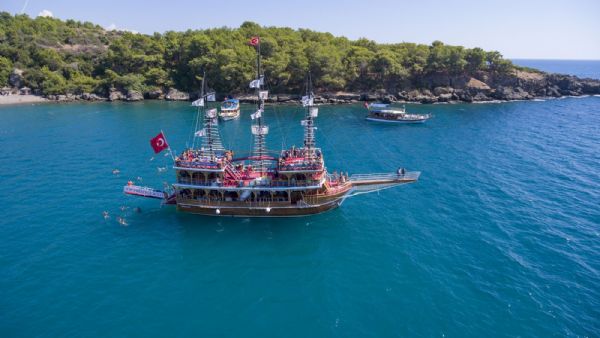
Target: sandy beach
(21,99)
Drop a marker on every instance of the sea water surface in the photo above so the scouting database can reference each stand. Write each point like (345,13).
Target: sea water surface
(500,236)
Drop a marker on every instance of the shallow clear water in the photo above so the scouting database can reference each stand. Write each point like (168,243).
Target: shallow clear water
(500,237)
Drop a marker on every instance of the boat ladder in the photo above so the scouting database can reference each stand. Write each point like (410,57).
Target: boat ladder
(232,172)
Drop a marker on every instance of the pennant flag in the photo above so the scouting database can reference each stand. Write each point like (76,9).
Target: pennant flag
(307,101)
(210,97)
(198,103)
(313,111)
(256,115)
(263,94)
(200,133)
(212,113)
(254,41)
(258,82)
(255,84)
(159,143)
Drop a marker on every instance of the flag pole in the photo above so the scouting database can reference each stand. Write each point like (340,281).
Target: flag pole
(169,145)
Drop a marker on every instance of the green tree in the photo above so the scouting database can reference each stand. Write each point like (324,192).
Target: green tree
(497,64)
(475,58)
(6,67)
(456,60)
(80,83)
(439,58)
(88,58)
(52,82)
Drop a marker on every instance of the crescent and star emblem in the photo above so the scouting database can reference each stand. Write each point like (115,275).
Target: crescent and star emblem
(160,142)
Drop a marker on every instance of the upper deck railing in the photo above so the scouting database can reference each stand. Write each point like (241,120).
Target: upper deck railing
(248,184)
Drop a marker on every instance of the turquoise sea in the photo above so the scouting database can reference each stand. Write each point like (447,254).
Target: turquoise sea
(500,237)
(581,68)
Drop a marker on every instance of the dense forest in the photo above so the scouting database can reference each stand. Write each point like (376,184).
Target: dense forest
(59,57)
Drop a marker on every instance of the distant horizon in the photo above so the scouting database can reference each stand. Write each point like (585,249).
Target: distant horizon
(535,30)
(552,59)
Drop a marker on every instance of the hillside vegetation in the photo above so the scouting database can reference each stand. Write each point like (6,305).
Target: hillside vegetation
(59,57)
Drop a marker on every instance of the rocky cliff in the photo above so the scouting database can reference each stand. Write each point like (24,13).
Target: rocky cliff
(519,85)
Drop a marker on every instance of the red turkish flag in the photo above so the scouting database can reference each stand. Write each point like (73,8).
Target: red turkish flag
(254,41)
(159,143)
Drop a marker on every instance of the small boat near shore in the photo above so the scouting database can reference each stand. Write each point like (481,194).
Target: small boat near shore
(381,112)
(230,109)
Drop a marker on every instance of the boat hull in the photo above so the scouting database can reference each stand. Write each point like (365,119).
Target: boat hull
(397,121)
(312,206)
(273,211)
(229,116)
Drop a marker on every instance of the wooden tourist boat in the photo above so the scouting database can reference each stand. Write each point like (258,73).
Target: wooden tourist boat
(210,180)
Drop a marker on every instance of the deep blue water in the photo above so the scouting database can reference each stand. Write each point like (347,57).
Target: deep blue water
(581,68)
(500,237)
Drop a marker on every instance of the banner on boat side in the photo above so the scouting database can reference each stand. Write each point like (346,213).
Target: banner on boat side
(263,94)
(254,41)
(198,103)
(159,143)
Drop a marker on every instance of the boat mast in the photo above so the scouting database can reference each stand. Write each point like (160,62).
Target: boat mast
(309,126)
(212,139)
(259,129)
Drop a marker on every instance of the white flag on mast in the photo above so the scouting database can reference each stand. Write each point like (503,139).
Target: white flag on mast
(200,133)
(307,100)
(256,115)
(198,103)
(210,97)
(263,94)
(211,113)
(258,82)
(255,84)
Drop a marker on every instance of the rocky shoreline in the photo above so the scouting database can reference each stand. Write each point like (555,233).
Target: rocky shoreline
(522,85)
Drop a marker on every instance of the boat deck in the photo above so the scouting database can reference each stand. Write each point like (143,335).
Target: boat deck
(368,179)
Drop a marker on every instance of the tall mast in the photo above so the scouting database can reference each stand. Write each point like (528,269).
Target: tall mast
(259,129)
(309,123)
(211,140)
